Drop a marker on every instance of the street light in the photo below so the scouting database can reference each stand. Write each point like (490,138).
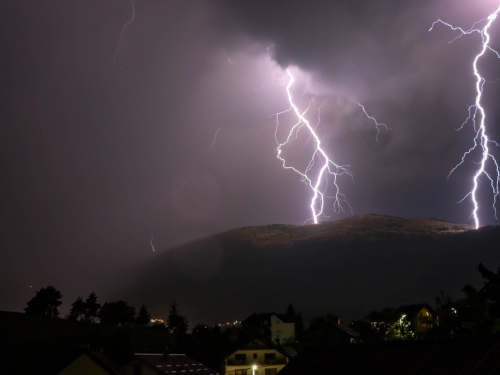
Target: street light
(254,367)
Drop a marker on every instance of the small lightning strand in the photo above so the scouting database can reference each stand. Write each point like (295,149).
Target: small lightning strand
(328,166)
(215,137)
(378,125)
(151,242)
(122,34)
(481,139)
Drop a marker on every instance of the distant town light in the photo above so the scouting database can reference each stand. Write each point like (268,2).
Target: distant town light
(157,321)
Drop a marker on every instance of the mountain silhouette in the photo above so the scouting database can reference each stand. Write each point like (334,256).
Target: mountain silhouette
(346,267)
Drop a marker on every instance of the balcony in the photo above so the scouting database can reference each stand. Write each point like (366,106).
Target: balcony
(250,362)
(276,361)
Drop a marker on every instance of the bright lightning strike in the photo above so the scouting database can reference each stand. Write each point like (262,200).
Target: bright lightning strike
(319,183)
(481,139)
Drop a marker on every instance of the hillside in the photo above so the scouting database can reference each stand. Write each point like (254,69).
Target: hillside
(346,267)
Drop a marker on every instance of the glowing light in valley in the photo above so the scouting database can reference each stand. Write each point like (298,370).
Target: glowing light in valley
(481,139)
(122,34)
(319,183)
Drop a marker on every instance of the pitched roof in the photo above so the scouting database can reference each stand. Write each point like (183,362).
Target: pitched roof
(261,343)
(322,323)
(259,319)
(176,364)
(463,356)
(414,309)
(289,350)
(105,362)
(101,360)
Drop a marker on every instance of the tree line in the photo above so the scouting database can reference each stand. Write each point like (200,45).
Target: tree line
(47,300)
(478,314)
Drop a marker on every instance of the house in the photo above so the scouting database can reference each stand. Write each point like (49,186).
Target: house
(92,362)
(327,332)
(422,316)
(257,357)
(467,356)
(279,328)
(157,363)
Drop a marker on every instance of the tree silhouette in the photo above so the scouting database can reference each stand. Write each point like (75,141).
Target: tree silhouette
(117,313)
(299,324)
(45,302)
(176,323)
(493,278)
(91,307)
(78,310)
(295,317)
(144,316)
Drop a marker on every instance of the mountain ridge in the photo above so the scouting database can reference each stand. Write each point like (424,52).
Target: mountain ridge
(347,267)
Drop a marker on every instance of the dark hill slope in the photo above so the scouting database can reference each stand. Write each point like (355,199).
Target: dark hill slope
(345,267)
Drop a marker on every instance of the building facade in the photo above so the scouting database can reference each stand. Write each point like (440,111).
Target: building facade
(256,358)
(422,316)
(279,328)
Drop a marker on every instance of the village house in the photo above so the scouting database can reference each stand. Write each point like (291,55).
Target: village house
(95,362)
(92,362)
(157,363)
(279,328)
(422,316)
(326,332)
(257,357)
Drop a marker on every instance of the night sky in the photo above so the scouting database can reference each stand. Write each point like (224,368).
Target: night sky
(115,133)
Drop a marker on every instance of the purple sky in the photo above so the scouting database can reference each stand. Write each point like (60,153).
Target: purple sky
(104,144)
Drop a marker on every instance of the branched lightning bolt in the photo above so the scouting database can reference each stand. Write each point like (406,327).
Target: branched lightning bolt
(481,139)
(319,183)
(378,125)
(122,34)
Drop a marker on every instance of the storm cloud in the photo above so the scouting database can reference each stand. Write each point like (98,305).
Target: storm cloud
(170,133)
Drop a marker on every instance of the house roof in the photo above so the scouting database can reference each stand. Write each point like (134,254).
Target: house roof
(322,323)
(257,344)
(289,350)
(105,362)
(102,361)
(177,364)
(259,319)
(464,356)
(414,309)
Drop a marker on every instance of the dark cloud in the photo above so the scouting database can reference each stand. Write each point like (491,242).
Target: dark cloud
(173,132)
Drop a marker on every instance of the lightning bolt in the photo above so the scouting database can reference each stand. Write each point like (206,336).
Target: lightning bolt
(481,139)
(215,138)
(319,183)
(378,125)
(151,242)
(122,34)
